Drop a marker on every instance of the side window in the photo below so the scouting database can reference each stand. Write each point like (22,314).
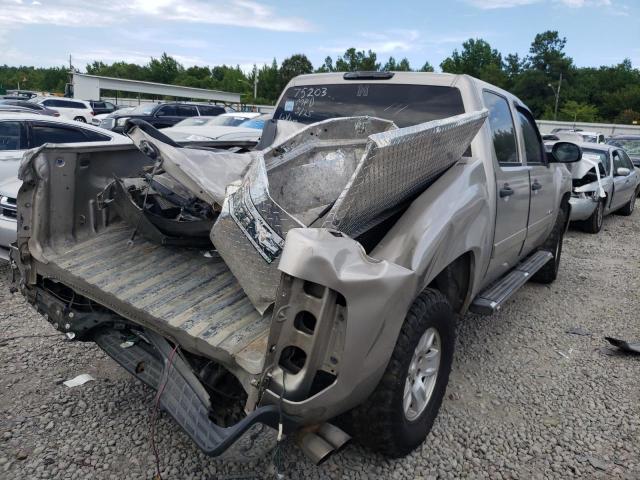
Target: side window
(618,162)
(49,103)
(187,111)
(91,136)
(43,133)
(626,160)
(211,111)
(166,111)
(532,140)
(502,129)
(79,105)
(11,136)
(110,105)
(99,105)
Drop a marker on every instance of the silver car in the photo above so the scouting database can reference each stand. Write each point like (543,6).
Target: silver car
(604,181)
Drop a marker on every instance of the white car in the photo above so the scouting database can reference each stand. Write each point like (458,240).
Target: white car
(22,131)
(236,126)
(69,108)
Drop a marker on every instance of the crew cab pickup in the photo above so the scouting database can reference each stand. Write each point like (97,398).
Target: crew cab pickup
(269,292)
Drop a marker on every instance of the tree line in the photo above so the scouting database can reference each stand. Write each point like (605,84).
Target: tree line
(605,94)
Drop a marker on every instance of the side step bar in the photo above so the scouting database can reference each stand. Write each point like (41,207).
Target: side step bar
(493,297)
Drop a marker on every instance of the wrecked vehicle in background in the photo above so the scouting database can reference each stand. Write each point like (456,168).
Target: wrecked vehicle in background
(337,256)
(604,181)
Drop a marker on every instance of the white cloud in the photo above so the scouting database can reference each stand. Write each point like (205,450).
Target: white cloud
(238,13)
(380,42)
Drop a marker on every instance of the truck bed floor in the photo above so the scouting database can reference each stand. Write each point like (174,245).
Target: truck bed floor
(176,291)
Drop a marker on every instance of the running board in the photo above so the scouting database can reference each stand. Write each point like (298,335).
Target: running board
(492,298)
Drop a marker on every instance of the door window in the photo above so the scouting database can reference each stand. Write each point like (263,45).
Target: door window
(618,162)
(626,160)
(210,110)
(531,136)
(11,136)
(187,111)
(167,111)
(42,134)
(502,129)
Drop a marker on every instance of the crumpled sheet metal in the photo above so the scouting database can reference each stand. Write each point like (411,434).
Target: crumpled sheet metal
(204,173)
(249,236)
(255,218)
(397,165)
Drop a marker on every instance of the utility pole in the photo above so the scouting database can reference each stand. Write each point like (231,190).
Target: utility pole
(556,91)
(255,87)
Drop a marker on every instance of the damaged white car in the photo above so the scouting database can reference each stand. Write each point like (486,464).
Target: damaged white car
(604,181)
(269,292)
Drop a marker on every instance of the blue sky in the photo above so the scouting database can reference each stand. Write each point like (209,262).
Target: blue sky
(244,32)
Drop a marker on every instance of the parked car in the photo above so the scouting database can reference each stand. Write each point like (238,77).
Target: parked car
(98,119)
(380,206)
(69,108)
(30,106)
(630,144)
(588,137)
(22,131)
(100,106)
(225,127)
(604,181)
(161,115)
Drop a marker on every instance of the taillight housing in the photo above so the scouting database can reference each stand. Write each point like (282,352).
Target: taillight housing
(92,112)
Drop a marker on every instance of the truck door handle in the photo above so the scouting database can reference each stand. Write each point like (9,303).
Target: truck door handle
(506,191)
(535,185)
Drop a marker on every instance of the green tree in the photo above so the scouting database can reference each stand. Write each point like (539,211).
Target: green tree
(547,54)
(353,61)
(477,59)
(327,66)
(427,67)
(578,112)
(166,69)
(393,66)
(293,66)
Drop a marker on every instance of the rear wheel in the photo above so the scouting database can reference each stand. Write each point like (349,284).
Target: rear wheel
(80,119)
(629,206)
(400,412)
(593,224)
(553,244)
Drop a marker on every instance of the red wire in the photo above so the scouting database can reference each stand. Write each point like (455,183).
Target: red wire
(156,408)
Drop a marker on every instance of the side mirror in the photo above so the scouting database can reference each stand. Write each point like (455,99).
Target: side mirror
(565,152)
(622,172)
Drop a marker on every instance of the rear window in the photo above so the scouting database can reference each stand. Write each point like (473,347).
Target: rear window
(210,110)
(404,104)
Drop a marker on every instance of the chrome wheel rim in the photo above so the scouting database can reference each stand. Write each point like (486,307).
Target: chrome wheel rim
(422,374)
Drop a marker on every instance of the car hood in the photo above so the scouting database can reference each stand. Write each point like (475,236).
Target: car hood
(214,133)
(9,187)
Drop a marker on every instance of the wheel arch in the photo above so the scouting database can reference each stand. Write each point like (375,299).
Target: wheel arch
(455,281)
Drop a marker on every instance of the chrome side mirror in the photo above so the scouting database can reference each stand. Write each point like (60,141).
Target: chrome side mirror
(622,172)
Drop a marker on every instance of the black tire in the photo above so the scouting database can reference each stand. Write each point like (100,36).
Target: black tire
(80,119)
(593,224)
(380,422)
(629,207)
(553,244)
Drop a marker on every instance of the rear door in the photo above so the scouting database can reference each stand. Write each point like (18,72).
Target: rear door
(542,207)
(512,183)
(623,185)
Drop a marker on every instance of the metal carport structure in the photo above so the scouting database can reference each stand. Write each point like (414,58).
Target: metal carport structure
(88,87)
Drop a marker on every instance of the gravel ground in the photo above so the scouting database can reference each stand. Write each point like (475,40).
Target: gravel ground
(526,399)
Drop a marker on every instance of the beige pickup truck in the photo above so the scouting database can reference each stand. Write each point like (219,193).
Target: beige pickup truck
(313,280)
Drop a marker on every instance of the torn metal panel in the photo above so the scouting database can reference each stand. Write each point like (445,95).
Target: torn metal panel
(357,171)
(287,188)
(397,165)
(204,173)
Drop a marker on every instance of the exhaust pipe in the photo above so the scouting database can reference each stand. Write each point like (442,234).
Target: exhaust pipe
(320,444)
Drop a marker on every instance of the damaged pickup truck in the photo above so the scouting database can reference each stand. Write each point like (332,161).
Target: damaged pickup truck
(312,281)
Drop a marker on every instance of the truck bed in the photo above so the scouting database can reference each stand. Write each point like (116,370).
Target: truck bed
(176,291)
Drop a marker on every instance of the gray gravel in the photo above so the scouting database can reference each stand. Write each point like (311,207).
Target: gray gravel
(526,398)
